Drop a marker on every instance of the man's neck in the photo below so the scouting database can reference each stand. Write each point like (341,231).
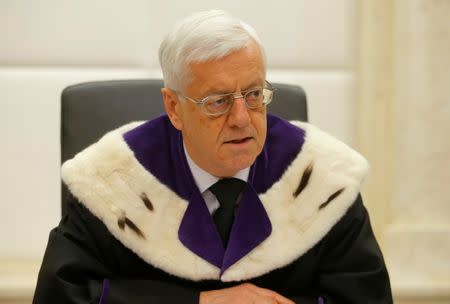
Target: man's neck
(204,179)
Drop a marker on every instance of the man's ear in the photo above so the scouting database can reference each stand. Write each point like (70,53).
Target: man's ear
(172,106)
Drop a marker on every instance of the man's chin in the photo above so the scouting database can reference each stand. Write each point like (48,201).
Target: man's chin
(235,165)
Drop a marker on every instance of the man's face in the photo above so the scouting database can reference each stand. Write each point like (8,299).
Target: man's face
(226,144)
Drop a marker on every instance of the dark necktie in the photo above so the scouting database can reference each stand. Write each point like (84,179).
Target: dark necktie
(227,191)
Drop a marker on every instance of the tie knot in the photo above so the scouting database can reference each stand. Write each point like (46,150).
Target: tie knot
(227,190)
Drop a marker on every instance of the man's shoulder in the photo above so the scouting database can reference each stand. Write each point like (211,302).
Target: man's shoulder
(297,145)
(115,156)
(298,136)
(121,141)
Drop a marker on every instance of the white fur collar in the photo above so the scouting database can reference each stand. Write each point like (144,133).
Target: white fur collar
(109,181)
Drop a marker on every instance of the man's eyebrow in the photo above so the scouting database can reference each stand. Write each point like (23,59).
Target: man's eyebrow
(216,91)
(255,84)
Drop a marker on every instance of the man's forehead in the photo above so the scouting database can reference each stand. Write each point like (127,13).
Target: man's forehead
(240,70)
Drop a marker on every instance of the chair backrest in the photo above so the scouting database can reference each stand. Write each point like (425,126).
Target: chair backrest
(91,109)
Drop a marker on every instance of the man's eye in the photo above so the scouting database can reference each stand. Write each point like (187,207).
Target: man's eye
(219,102)
(255,94)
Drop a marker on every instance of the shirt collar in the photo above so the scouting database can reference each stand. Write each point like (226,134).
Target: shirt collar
(204,179)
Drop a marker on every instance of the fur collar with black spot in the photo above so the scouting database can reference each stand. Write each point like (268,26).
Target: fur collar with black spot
(137,181)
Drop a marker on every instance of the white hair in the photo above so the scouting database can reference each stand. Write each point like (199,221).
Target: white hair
(201,37)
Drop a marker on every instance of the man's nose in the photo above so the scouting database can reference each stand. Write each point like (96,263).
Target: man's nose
(239,115)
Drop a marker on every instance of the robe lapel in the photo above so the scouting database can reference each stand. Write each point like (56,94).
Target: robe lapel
(198,232)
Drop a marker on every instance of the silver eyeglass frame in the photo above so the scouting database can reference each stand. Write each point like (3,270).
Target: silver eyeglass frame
(202,102)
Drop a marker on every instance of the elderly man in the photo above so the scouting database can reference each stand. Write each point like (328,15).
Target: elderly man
(215,202)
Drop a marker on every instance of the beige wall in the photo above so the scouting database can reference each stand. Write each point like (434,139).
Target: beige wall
(404,106)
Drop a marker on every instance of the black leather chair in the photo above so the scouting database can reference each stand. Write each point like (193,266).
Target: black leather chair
(91,109)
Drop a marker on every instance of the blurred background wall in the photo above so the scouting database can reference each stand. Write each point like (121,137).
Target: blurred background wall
(376,73)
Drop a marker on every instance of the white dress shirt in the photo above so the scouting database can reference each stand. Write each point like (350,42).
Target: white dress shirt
(204,180)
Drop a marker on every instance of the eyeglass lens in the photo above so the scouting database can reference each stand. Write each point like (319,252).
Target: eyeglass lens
(254,99)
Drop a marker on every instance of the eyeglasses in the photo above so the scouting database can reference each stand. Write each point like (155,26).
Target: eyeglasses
(216,105)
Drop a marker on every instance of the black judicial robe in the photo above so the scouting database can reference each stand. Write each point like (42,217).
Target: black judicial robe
(138,229)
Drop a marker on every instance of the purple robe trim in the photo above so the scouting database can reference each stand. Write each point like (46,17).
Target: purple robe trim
(198,232)
(321,301)
(105,291)
(158,146)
